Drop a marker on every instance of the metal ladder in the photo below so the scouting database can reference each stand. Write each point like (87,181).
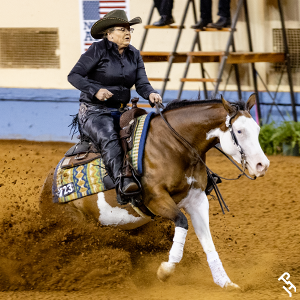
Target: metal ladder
(172,55)
(223,59)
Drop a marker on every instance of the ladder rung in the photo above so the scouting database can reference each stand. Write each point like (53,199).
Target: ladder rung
(252,57)
(158,79)
(215,29)
(206,53)
(202,56)
(236,57)
(163,56)
(198,79)
(163,27)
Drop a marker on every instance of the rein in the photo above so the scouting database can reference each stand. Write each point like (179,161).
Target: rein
(234,163)
(198,158)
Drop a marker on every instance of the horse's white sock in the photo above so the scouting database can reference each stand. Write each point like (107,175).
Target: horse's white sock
(219,275)
(176,251)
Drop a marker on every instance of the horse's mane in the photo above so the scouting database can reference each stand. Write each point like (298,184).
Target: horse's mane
(183,103)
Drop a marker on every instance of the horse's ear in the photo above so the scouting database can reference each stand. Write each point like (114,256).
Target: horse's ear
(251,101)
(229,108)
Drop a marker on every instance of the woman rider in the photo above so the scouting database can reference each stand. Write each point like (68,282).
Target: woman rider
(104,74)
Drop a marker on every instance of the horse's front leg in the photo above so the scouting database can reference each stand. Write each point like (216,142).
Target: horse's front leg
(196,205)
(164,206)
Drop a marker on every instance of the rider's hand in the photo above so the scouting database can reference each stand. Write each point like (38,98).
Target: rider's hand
(103,94)
(153,97)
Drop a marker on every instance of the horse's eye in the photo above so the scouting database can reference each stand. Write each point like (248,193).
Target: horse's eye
(239,131)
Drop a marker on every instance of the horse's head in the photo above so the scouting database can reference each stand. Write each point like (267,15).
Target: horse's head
(241,138)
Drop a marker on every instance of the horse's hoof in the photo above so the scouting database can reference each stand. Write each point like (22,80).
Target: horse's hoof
(165,270)
(230,286)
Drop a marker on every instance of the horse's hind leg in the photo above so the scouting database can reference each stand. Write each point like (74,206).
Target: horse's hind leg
(196,205)
(57,212)
(166,208)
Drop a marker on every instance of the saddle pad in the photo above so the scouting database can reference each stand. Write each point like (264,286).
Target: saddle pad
(77,182)
(84,180)
(139,140)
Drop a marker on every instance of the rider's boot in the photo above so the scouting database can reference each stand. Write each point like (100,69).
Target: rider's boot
(113,161)
(129,185)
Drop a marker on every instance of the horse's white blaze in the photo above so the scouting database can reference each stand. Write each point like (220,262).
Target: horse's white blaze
(246,131)
(114,216)
(217,132)
(197,206)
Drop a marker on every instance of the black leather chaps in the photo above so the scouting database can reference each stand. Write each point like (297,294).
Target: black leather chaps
(101,125)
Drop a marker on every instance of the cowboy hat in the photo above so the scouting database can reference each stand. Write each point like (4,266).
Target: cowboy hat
(113,18)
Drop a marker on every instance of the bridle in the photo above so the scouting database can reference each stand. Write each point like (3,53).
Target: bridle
(235,142)
(197,157)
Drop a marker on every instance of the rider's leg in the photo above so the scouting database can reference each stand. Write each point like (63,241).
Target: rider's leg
(196,205)
(100,128)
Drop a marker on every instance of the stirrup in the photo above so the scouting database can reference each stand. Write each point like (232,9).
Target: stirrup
(120,187)
(129,186)
(124,198)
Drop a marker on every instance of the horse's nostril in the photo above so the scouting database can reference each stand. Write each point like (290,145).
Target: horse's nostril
(259,167)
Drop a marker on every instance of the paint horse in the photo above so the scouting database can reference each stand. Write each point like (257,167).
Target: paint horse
(172,180)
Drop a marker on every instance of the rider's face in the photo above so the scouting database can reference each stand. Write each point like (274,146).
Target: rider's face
(121,36)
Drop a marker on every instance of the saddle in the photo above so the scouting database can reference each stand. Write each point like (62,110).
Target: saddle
(85,151)
(80,154)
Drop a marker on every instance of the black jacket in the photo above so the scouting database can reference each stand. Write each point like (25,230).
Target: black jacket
(101,66)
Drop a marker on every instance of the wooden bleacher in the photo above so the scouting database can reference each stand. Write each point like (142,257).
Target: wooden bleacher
(163,56)
(164,27)
(211,56)
(222,57)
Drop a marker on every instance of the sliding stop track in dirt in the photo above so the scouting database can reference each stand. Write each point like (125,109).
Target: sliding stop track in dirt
(258,240)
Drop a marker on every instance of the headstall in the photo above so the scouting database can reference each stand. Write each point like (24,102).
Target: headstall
(235,142)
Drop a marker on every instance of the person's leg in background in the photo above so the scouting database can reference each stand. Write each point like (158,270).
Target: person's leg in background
(205,14)
(164,8)
(224,13)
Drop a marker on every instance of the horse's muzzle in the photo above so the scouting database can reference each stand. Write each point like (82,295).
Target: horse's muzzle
(261,169)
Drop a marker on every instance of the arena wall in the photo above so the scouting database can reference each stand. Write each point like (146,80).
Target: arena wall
(65,16)
(37,103)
